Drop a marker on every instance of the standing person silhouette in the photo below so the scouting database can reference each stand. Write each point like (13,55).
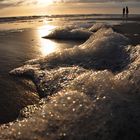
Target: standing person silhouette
(123,12)
(127,12)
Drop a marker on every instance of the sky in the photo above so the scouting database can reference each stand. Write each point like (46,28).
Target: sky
(50,7)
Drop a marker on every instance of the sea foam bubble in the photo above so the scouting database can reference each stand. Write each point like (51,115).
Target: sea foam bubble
(90,91)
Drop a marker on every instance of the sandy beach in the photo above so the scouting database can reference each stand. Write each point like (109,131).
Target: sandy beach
(17,47)
(131,30)
(59,69)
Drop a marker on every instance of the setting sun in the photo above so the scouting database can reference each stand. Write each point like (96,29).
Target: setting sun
(45,2)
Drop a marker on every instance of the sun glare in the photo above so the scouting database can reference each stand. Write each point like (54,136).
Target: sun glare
(46,46)
(45,2)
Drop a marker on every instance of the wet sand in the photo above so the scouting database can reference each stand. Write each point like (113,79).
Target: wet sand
(130,30)
(16,47)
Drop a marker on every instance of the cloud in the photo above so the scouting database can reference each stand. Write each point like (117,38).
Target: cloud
(86,1)
(7,3)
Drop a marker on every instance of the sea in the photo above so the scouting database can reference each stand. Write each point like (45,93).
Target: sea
(69,77)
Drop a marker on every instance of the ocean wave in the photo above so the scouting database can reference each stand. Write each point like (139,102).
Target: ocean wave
(69,33)
(100,51)
(98,26)
(90,91)
(75,33)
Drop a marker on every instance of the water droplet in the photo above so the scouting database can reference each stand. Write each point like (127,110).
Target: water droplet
(104,97)
(68,98)
(97,98)
(74,102)
(73,109)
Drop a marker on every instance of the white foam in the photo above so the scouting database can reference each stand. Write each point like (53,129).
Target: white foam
(94,102)
(87,102)
(103,50)
(98,26)
(69,33)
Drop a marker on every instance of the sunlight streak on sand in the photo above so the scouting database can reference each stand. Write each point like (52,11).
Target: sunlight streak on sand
(47,46)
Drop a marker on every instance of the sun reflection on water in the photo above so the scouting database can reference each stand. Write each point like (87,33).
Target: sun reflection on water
(45,30)
(47,46)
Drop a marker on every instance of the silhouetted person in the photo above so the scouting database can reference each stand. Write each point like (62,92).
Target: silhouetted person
(123,12)
(127,12)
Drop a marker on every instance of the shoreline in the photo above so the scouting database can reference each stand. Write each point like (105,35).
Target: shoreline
(106,50)
(130,30)
(17,101)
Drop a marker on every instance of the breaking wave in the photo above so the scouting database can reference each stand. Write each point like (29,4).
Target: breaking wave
(69,33)
(98,26)
(75,33)
(90,91)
